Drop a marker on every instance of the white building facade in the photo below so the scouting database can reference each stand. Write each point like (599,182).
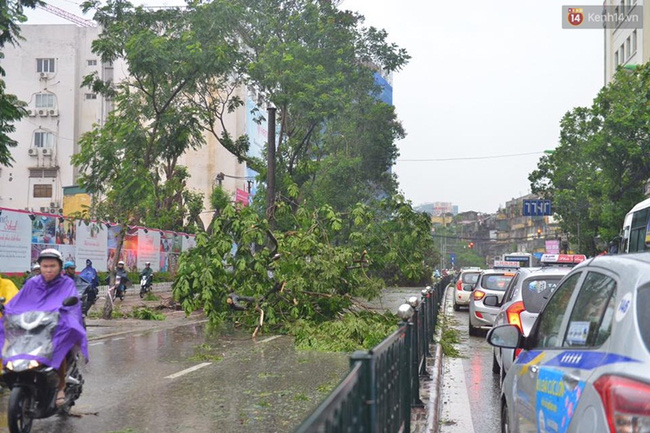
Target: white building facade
(623,45)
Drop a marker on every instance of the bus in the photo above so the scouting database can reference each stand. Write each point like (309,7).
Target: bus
(635,229)
(525,260)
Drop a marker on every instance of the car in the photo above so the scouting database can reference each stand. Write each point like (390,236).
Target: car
(585,366)
(525,296)
(464,285)
(490,282)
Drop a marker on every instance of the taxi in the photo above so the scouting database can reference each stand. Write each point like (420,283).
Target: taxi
(525,297)
(464,286)
(491,282)
(585,366)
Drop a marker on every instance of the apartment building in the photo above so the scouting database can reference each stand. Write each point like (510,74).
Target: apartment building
(46,71)
(625,45)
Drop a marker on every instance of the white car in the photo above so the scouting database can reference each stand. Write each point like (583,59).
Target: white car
(585,367)
(464,285)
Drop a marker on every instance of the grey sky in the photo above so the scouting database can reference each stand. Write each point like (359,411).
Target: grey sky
(486,79)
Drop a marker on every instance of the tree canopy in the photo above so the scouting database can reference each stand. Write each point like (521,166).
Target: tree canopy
(599,170)
(11,108)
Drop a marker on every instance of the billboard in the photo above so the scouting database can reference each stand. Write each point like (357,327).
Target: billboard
(23,235)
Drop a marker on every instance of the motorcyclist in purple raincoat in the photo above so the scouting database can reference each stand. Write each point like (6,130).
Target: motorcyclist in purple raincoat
(46,292)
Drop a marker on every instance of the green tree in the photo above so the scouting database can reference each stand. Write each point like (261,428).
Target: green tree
(11,108)
(313,62)
(599,170)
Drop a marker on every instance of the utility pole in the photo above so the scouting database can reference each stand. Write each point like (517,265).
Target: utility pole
(270,172)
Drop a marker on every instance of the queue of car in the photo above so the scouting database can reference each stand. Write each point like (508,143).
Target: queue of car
(571,344)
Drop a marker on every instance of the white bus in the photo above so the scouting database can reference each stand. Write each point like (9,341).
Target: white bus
(635,229)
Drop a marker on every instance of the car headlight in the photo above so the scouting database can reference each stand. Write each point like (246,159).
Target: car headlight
(33,363)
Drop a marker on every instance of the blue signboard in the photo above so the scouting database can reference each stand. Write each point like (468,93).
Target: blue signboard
(453,259)
(537,207)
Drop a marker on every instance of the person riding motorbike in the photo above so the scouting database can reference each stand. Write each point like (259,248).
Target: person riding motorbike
(90,274)
(120,271)
(148,273)
(46,293)
(7,289)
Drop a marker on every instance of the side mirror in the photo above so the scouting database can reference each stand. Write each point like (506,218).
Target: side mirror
(70,301)
(491,301)
(506,336)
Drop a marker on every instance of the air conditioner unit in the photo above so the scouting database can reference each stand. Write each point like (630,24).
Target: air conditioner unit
(44,209)
(46,151)
(42,113)
(53,210)
(43,75)
(54,204)
(33,151)
(31,113)
(54,113)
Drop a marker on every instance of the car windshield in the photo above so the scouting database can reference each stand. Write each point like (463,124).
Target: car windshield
(470,277)
(536,291)
(496,282)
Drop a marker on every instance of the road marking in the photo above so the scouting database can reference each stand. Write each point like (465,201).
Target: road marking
(118,338)
(95,344)
(270,339)
(188,370)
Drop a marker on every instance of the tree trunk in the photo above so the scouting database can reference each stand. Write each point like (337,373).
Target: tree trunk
(107,311)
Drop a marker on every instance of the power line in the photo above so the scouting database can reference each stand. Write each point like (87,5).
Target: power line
(467,158)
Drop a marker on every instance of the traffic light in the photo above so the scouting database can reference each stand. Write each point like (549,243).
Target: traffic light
(471,245)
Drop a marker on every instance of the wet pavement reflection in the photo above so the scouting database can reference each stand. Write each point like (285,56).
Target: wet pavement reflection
(264,387)
(481,385)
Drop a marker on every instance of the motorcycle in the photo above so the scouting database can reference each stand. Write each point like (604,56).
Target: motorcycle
(33,385)
(146,285)
(121,283)
(86,293)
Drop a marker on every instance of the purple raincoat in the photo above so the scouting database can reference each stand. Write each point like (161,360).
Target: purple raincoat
(37,295)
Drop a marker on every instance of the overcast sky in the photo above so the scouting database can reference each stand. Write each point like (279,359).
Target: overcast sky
(485,79)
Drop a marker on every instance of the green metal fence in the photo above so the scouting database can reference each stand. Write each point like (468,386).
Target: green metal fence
(383,384)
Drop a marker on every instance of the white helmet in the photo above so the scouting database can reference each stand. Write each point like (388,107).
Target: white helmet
(121,262)
(50,253)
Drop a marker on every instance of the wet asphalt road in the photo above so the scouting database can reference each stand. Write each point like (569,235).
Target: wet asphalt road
(470,396)
(246,386)
(266,386)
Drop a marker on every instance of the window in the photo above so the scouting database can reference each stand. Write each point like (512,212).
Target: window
(536,291)
(638,231)
(44,100)
(92,62)
(43,139)
(634,41)
(550,320)
(44,65)
(42,191)
(627,48)
(591,319)
(622,51)
(616,60)
(91,95)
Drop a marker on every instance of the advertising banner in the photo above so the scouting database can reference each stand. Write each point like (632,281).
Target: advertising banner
(92,243)
(189,242)
(552,247)
(148,249)
(23,236)
(15,241)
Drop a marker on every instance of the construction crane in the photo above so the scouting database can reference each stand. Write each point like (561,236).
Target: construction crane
(67,15)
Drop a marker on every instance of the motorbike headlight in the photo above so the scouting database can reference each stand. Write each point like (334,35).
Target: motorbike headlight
(33,363)
(10,365)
